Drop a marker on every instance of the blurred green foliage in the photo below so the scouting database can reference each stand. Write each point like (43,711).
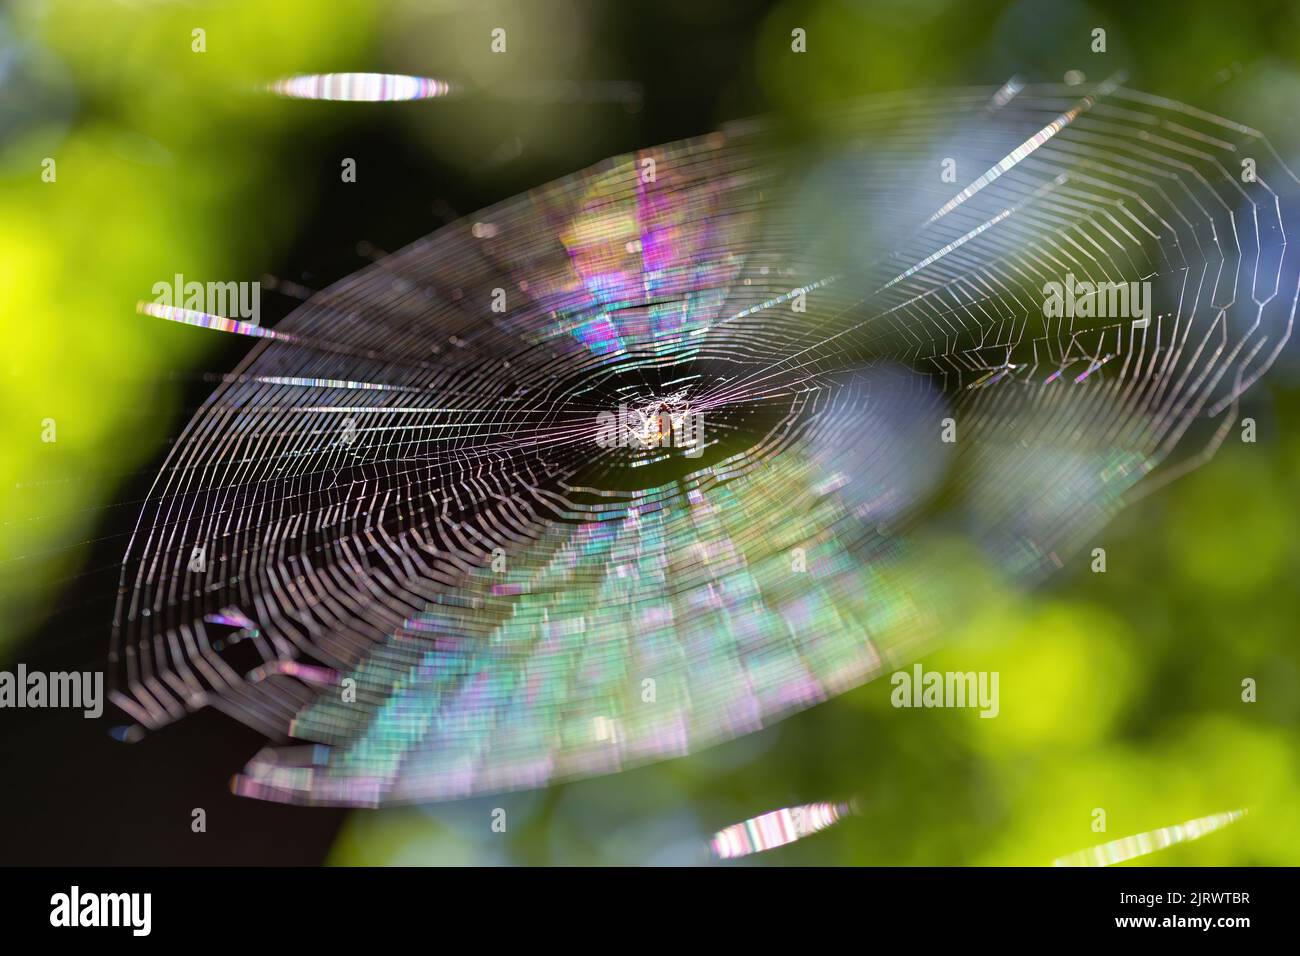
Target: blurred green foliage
(1119,691)
(158,162)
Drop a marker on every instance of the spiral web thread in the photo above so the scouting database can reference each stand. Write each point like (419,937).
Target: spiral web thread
(391,539)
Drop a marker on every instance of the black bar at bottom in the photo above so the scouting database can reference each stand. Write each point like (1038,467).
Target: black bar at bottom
(334,906)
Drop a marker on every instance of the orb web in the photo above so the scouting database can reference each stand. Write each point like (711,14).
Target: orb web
(402,542)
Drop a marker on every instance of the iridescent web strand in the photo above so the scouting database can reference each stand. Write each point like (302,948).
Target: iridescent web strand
(1142,844)
(359,87)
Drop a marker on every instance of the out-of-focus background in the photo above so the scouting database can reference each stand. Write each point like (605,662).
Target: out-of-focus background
(1120,691)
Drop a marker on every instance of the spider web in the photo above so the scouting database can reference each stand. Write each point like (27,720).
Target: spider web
(391,541)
